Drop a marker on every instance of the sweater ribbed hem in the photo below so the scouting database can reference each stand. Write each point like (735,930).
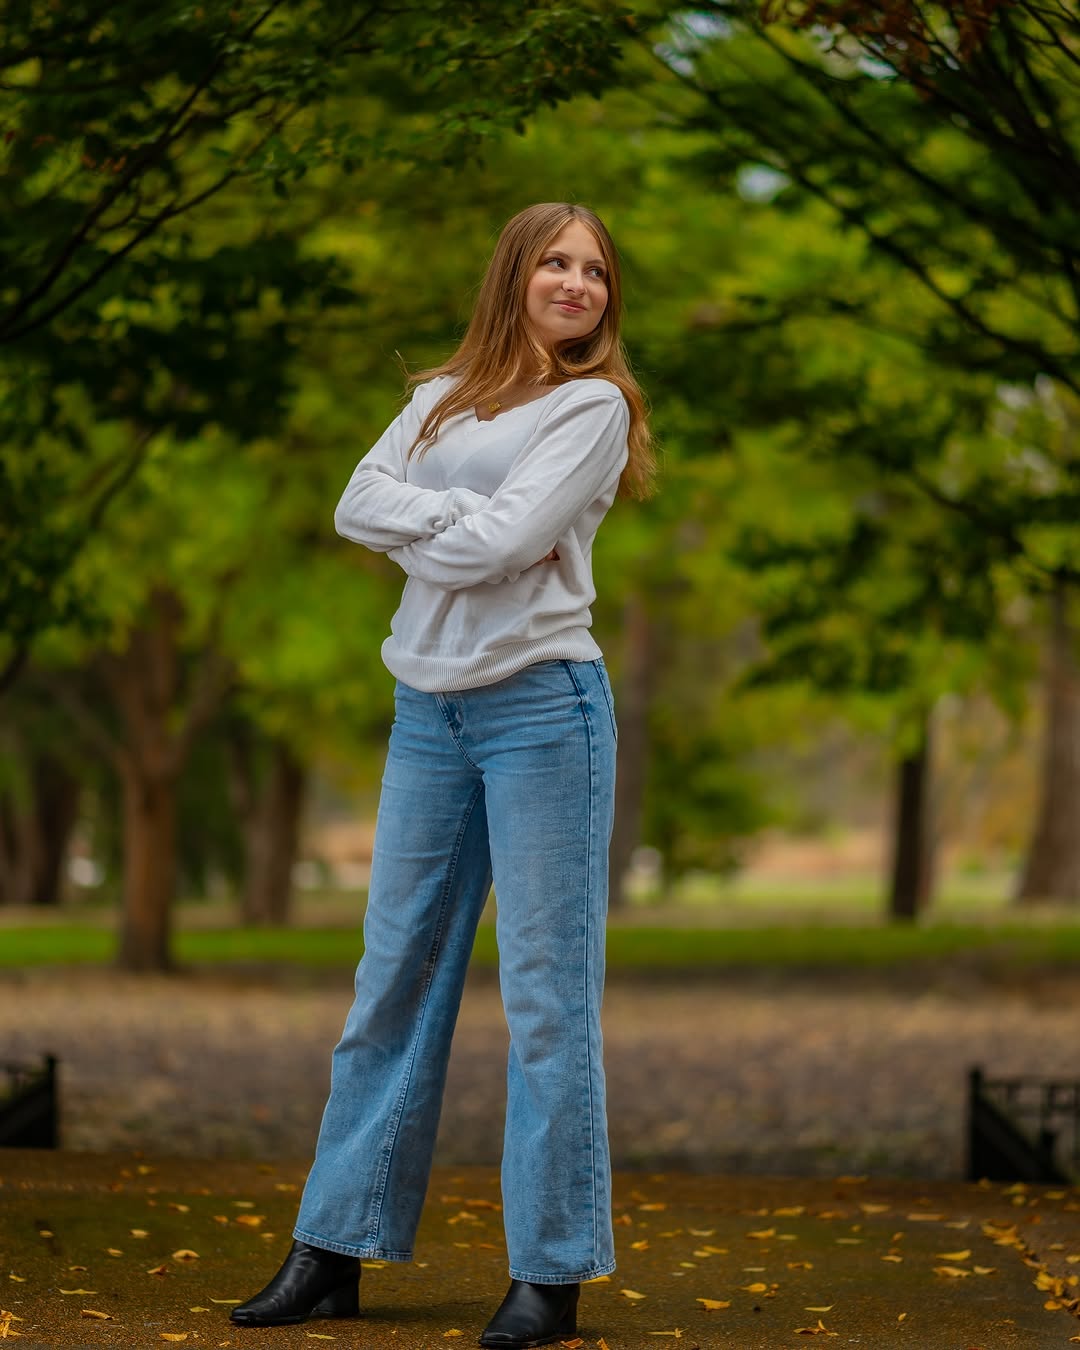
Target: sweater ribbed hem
(445,675)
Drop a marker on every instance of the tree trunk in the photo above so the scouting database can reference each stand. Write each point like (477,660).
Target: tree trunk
(632,709)
(1052,870)
(149,869)
(34,834)
(271,834)
(912,869)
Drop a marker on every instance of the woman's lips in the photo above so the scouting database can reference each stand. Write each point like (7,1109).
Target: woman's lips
(570,306)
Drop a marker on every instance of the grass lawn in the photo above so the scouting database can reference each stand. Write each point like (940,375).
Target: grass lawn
(642,946)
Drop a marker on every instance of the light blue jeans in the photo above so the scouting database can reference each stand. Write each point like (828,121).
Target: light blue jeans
(512,782)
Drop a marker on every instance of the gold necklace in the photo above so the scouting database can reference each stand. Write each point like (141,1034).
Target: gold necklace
(494,406)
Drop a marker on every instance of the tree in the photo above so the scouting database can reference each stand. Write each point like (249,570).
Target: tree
(936,135)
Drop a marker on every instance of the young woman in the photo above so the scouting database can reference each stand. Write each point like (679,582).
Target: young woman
(488,490)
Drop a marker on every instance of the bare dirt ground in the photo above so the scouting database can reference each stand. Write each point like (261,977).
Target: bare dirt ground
(764,1072)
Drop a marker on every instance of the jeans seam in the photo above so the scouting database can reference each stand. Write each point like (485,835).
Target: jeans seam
(429,974)
(586,963)
(441,705)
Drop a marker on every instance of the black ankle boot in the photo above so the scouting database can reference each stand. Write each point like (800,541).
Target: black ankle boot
(311,1283)
(533,1314)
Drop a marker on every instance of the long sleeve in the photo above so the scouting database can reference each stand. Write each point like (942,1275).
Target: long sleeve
(382,511)
(577,451)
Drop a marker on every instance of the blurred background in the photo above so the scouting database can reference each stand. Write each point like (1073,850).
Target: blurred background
(842,636)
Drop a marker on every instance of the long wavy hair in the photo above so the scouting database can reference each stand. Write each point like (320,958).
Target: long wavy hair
(500,347)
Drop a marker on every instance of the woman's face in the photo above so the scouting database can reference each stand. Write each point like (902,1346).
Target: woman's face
(567,294)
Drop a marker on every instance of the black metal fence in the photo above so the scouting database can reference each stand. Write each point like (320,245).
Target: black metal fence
(29,1105)
(1023,1129)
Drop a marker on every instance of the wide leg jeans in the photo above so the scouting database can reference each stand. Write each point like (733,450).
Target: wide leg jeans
(512,782)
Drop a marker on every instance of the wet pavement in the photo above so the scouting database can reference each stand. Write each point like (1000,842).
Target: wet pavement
(118,1250)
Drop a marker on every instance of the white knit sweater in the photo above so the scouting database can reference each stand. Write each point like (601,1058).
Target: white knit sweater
(470,520)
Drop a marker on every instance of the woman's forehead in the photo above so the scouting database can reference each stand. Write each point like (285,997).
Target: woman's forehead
(576,237)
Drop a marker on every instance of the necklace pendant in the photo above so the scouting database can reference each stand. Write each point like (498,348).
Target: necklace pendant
(494,405)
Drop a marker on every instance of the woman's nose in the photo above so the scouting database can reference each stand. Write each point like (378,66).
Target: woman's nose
(573,282)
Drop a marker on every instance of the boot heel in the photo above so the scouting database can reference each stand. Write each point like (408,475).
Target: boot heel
(344,1301)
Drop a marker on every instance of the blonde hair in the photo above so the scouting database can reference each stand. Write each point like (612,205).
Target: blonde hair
(500,348)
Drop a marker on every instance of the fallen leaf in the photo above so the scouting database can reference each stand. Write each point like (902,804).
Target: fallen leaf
(76,1269)
(677,1333)
(642,1246)
(229,1302)
(114,1251)
(868,1208)
(660,1204)
(185,1254)
(173,1335)
(140,1233)
(828,1308)
(453,1332)
(598,1279)
(46,1232)
(763,1233)
(572,1345)
(712,1304)
(701,1232)
(789,1211)
(198,1308)
(892,1258)
(632,1293)
(158,1270)
(99,1316)
(250,1220)
(900,1316)
(926,1218)
(78,1291)
(820,1330)
(985,1270)
(180,1209)
(601,1344)
(244,1204)
(955,1256)
(848,1242)
(956,1272)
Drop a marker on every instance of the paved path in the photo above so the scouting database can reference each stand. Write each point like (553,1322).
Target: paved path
(759,1072)
(163,1247)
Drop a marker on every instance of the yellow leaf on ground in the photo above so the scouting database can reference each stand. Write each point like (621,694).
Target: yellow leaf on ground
(229,1302)
(98,1316)
(632,1293)
(677,1333)
(76,1270)
(454,1331)
(701,1232)
(712,1304)
(926,1218)
(756,1288)
(601,1344)
(868,1208)
(198,1308)
(789,1211)
(763,1233)
(642,1246)
(892,1257)
(244,1204)
(848,1242)
(659,1204)
(955,1256)
(827,1308)
(573,1345)
(78,1291)
(900,1316)
(19,1279)
(598,1279)
(820,1330)
(250,1220)
(173,1335)
(158,1270)
(955,1272)
(139,1233)
(114,1251)
(185,1254)
(985,1270)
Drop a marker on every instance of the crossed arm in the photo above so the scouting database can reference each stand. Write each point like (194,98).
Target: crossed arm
(457,538)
